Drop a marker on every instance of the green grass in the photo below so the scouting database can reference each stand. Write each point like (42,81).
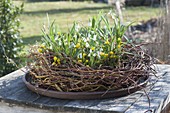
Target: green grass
(65,13)
(142,13)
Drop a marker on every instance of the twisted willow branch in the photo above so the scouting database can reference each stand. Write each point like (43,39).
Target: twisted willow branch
(73,76)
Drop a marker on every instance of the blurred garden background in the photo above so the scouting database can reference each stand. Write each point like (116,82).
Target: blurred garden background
(66,12)
(146,16)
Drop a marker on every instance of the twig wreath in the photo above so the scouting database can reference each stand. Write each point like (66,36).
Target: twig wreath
(90,58)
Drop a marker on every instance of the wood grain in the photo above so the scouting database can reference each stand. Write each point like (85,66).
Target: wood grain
(13,90)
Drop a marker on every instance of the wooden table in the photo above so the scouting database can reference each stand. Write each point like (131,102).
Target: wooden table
(16,98)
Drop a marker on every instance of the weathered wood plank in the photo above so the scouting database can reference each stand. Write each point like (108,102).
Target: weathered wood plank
(159,97)
(12,108)
(9,88)
(59,102)
(23,95)
(13,90)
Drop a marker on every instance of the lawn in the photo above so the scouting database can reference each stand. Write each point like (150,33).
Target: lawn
(65,13)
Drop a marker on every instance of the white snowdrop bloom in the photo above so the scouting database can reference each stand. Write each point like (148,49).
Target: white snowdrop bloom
(77,28)
(84,39)
(80,55)
(72,45)
(2,32)
(94,54)
(21,41)
(92,32)
(51,47)
(88,39)
(101,49)
(55,38)
(89,23)
(89,35)
(98,54)
(105,27)
(94,37)
(90,51)
(18,20)
(8,9)
(11,30)
(59,43)
(12,60)
(15,36)
(87,45)
(15,49)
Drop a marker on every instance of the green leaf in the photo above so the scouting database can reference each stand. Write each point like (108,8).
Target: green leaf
(93,22)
